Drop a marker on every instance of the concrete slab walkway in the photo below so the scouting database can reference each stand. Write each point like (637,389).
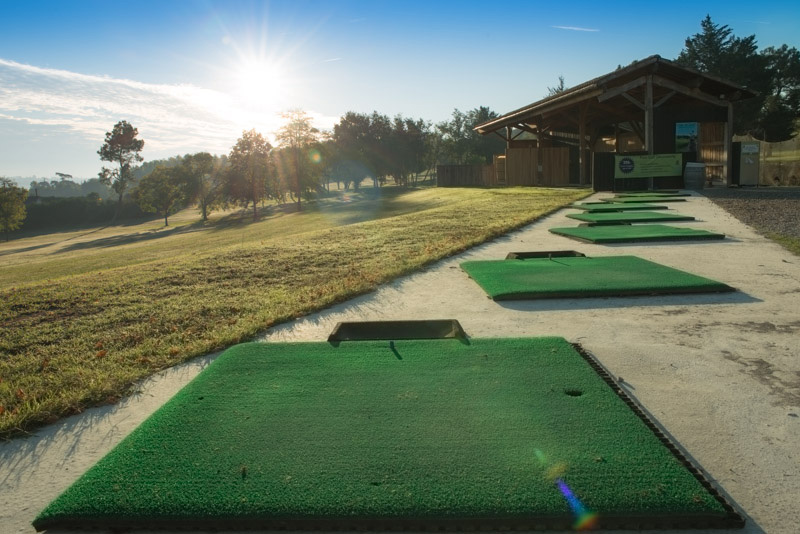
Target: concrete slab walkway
(719,372)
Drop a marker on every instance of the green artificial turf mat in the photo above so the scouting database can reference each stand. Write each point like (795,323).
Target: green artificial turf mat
(634,233)
(647,199)
(408,434)
(629,217)
(583,277)
(616,206)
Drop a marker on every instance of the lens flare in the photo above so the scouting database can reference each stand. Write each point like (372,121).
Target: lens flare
(584,518)
(314,156)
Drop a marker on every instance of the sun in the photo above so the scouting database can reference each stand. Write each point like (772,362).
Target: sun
(260,84)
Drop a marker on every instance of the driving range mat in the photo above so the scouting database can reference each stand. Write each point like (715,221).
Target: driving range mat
(629,217)
(408,434)
(576,277)
(617,206)
(635,233)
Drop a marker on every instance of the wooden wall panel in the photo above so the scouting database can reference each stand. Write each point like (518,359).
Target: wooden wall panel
(555,167)
(521,166)
(712,148)
(464,175)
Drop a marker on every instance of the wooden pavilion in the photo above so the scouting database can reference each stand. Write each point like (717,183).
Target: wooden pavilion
(570,138)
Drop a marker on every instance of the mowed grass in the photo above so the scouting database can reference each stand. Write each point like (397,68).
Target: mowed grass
(80,325)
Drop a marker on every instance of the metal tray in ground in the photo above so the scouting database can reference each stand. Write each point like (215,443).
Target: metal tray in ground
(545,254)
(377,330)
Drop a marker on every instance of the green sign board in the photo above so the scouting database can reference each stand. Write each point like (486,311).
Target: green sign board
(648,166)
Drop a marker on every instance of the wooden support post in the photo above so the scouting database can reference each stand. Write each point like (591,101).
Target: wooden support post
(582,167)
(727,170)
(508,136)
(648,122)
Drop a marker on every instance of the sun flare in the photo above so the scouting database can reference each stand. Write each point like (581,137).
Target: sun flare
(261,84)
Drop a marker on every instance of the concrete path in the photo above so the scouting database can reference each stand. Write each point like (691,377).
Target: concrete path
(719,372)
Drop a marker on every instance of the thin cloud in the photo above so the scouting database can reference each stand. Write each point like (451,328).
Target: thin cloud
(171,118)
(575,29)
(331,59)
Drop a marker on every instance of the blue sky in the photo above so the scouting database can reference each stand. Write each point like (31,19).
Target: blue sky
(192,74)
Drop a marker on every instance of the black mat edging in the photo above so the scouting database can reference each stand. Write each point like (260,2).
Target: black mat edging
(392,330)
(733,518)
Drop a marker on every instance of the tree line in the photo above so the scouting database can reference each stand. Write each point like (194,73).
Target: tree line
(301,165)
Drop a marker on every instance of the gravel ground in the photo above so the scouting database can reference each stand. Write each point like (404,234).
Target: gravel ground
(767,209)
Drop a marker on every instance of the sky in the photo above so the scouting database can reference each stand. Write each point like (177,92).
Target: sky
(192,75)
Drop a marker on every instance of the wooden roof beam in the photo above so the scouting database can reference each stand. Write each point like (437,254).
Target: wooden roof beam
(622,89)
(525,128)
(633,101)
(664,98)
(617,112)
(694,93)
(501,136)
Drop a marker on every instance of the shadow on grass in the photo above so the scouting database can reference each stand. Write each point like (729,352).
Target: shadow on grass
(24,249)
(126,239)
(345,208)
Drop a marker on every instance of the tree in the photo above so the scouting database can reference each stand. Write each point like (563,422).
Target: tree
(12,206)
(298,137)
(351,137)
(560,88)
(163,191)
(121,147)
(407,148)
(249,169)
(203,176)
(772,74)
(461,144)
(781,107)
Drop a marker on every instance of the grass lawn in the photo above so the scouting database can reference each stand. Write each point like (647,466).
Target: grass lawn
(375,434)
(85,316)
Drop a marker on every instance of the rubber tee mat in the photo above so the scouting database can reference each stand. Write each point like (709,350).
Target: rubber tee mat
(409,434)
(576,277)
(635,233)
(629,217)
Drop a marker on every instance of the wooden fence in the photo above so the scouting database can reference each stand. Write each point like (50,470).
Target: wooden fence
(548,167)
(465,175)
